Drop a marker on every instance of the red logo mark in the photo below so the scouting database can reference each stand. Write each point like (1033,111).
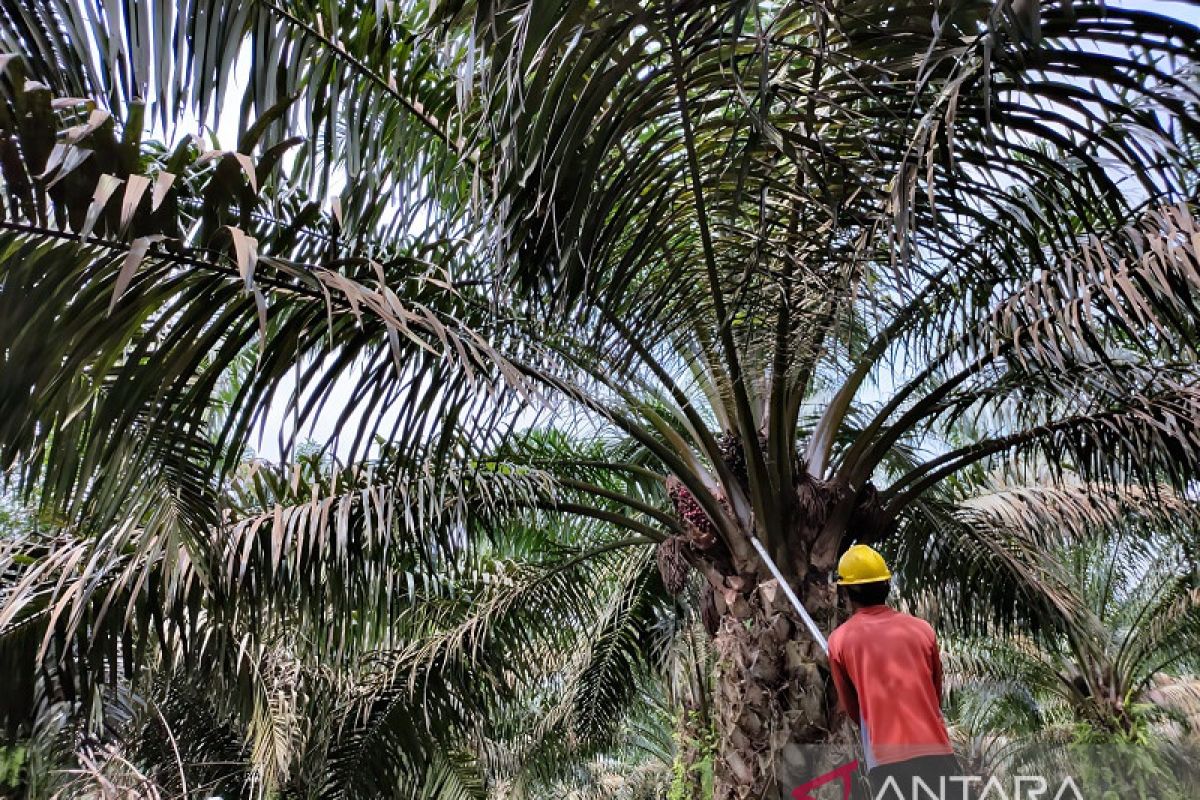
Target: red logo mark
(843,773)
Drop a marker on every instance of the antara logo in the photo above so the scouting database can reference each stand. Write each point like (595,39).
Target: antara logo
(963,787)
(958,787)
(844,773)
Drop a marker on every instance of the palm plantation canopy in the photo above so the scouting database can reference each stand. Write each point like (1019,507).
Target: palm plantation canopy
(593,291)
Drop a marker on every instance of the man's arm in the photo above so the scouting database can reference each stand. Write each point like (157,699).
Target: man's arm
(847,695)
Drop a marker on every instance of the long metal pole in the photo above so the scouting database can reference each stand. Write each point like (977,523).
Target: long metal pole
(808,623)
(787,590)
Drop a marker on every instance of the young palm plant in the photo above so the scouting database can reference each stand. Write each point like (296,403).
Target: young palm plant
(784,248)
(1112,659)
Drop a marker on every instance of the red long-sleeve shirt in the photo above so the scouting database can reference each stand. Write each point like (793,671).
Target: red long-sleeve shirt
(888,676)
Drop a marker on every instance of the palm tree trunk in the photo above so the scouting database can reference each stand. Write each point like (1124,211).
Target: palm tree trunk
(773,694)
(692,737)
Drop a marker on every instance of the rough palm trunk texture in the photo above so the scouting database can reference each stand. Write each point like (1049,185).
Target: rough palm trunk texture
(773,695)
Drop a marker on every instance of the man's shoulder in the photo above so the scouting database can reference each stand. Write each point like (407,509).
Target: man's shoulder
(915,622)
(837,634)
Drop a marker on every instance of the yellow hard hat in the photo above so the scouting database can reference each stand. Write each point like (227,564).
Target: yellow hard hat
(862,564)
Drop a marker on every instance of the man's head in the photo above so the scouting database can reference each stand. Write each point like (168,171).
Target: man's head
(868,594)
(864,576)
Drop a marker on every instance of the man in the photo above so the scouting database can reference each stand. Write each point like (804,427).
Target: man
(888,676)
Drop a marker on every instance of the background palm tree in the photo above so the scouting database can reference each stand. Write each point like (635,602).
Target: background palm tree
(1112,660)
(786,250)
(506,668)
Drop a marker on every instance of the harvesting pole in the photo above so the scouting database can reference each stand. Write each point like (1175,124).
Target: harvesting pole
(801,610)
(787,590)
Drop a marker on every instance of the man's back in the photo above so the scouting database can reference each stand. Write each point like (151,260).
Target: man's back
(889,677)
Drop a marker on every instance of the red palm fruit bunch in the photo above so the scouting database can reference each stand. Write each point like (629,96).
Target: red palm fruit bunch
(701,531)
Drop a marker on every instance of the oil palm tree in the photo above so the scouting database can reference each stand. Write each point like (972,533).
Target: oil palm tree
(1108,673)
(785,249)
(1108,601)
(503,669)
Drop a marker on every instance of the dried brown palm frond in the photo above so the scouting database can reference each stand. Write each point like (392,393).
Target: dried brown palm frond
(673,567)
(708,609)
(1179,695)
